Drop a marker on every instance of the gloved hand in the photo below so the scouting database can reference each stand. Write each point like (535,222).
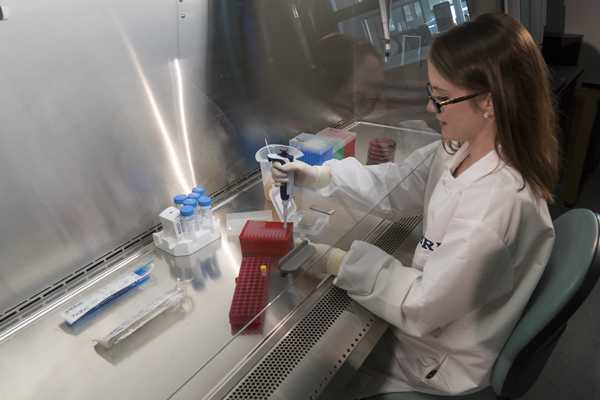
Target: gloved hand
(330,258)
(305,175)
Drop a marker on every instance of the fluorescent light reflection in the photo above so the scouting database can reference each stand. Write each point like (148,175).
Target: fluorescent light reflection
(182,116)
(184,184)
(229,252)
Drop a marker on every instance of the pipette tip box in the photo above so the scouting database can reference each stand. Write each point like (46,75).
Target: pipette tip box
(344,142)
(266,239)
(316,150)
(251,293)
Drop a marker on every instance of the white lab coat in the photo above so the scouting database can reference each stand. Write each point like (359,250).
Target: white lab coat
(484,248)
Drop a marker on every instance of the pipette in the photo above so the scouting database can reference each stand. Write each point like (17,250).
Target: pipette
(285,189)
(268,147)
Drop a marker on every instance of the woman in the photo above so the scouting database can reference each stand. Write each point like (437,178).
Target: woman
(482,191)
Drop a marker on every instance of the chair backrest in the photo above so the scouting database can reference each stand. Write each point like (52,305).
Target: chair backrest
(569,277)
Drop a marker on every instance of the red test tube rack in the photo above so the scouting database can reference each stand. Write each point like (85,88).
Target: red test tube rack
(251,293)
(266,239)
(262,243)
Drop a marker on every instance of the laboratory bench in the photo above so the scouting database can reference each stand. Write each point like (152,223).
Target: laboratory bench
(312,337)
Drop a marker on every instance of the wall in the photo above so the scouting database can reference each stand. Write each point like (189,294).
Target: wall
(478,7)
(582,16)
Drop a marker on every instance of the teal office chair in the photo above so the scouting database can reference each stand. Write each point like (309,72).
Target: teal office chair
(569,277)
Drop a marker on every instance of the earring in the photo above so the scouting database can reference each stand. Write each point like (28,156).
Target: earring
(486,115)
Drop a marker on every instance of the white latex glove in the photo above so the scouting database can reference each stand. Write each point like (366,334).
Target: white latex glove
(305,175)
(331,258)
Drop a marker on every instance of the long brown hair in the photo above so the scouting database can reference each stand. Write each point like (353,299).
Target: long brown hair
(495,54)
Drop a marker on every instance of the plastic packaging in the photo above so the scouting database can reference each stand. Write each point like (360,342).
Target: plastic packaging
(107,293)
(179,199)
(251,293)
(315,149)
(344,142)
(173,298)
(381,150)
(234,222)
(188,221)
(266,239)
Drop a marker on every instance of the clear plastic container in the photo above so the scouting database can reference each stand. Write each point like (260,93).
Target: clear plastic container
(192,202)
(196,197)
(205,212)
(188,222)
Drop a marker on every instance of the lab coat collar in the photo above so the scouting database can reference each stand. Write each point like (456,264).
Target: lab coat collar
(482,167)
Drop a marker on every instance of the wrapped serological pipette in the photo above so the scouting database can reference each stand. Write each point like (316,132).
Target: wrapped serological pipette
(170,300)
(107,293)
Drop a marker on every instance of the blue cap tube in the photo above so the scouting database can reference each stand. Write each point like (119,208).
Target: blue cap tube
(190,202)
(187,211)
(188,221)
(204,201)
(178,200)
(199,190)
(195,196)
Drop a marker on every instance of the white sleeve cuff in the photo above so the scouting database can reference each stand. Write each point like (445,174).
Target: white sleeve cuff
(323,176)
(360,268)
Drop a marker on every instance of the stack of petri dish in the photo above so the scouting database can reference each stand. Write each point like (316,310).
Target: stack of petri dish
(381,150)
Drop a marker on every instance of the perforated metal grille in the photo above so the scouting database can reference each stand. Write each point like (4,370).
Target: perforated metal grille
(264,380)
(352,341)
(389,237)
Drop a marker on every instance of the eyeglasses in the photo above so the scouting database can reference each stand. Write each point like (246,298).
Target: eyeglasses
(439,102)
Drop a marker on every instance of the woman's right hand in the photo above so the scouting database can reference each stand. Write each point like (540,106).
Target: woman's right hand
(305,175)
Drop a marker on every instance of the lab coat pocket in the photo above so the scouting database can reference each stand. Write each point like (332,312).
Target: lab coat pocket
(431,366)
(435,375)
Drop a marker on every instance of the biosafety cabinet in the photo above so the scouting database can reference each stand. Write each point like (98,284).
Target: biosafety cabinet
(110,108)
